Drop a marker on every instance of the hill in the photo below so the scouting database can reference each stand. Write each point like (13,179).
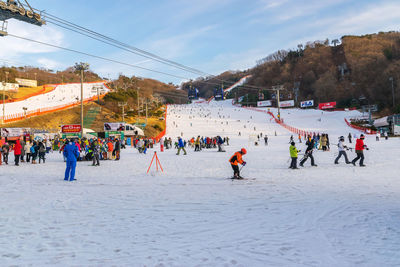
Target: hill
(354,71)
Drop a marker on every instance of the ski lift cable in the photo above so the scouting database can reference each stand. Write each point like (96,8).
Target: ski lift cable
(84,31)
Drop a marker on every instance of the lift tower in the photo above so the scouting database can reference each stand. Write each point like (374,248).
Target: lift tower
(14,9)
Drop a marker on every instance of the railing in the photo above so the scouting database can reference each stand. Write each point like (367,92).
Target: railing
(41,111)
(162,134)
(360,128)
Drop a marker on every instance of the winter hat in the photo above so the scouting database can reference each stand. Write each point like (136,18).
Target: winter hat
(293,143)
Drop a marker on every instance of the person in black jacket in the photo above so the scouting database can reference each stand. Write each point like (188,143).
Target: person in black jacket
(117,149)
(308,153)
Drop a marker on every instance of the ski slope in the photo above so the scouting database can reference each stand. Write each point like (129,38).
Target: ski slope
(62,95)
(192,215)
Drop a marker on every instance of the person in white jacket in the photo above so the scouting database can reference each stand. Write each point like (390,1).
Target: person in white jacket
(342,151)
(28,151)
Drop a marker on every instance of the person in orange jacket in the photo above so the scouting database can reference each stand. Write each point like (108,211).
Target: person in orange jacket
(235,160)
(110,150)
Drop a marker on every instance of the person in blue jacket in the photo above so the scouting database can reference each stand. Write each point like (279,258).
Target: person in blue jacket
(181,146)
(71,153)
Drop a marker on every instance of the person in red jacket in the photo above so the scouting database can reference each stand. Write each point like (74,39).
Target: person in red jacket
(360,151)
(17,152)
(235,160)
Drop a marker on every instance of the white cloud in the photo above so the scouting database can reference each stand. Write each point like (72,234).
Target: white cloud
(12,47)
(49,63)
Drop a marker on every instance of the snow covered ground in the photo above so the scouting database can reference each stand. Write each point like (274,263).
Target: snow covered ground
(62,95)
(191,215)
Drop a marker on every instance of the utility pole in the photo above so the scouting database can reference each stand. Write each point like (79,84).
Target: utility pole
(123,105)
(138,107)
(81,67)
(391,79)
(4,96)
(278,88)
(146,110)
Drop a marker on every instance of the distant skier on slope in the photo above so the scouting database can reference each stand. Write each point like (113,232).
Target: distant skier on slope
(342,151)
(235,160)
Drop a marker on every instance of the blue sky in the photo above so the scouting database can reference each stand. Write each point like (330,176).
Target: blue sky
(210,35)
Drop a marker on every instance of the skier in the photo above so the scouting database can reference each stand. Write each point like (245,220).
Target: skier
(342,151)
(386,135)
(181,146)
(293,154)
(96,153)
(71,153)
(5,150)
(378,136)
(266,140)
(235,160)
(349,138)
(360,151)
(308,154)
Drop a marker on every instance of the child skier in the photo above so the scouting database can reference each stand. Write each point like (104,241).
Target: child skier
(235,160)
(342,151)
(293,154)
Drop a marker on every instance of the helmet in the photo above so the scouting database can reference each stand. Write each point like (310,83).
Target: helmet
(341,138)
(244,151)
(362,136)
(292,143)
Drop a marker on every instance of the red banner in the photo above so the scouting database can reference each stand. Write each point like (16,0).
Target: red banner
(73,128)
(327,105)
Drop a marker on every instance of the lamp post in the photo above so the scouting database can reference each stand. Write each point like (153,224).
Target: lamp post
(138,105)
(81,67)
(4,96)
(391,79)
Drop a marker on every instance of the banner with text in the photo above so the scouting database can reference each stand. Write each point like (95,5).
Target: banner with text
(327,105)
(71,128)
(286,104)
(9,87)
(14,132)
(26,82)
(265,103)
(114,126)
(306,104)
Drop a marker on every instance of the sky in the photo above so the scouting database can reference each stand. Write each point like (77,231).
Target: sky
(210,35)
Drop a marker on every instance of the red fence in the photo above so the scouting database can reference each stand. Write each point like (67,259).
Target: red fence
(363,129)
(161,135)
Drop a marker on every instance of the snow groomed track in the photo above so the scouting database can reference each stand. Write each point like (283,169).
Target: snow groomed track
(191,215)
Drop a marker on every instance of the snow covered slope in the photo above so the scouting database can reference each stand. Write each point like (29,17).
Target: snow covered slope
(192,215)
(62,95)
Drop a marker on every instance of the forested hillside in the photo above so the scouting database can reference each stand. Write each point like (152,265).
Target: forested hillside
(354,71)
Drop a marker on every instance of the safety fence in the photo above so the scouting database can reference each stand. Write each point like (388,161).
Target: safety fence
(40,92)
(41,111)
(360,128)
(162,134)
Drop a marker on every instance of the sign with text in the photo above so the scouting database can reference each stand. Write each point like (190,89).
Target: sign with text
(14,132)
(286,104)
(26,82)
(9,87)
(327,105)
(306,104)
(71,128)
(114,126)
(265,103)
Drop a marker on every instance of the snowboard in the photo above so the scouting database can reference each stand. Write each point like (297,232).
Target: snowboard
(240,179)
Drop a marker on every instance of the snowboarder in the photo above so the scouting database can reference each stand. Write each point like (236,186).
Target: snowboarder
(71,153)
(235,160)
(266,140)
(386,135)
(349,138)
(293,154)
(342,151)
(308,154)
(378,136)
(96,153)
(360,151)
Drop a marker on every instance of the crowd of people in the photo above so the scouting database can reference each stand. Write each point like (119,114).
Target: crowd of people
(312,144)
